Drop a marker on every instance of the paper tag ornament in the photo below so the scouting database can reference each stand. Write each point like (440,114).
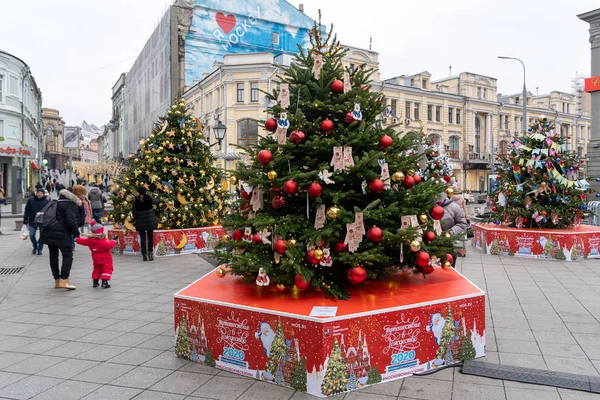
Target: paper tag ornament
(437,226)
(519,222)
(262,279)
(320,217)
(282,127)
(337,161)
(414,222)
(358,219)
(405,222)
(347,159)
(363,186)
(326,260)
(385,174)
(284,95)
(256,201)
(347,84)
(317,65)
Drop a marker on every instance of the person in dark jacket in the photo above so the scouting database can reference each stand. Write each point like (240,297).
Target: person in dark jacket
(97,202)
(34,205)
(454,221)
(59,238)
(145,223)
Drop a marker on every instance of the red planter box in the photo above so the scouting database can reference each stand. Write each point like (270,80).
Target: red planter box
(569,244)
(169,242)
(386,331)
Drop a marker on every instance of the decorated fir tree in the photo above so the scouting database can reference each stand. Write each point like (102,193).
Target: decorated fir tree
(298,381)
(467,350)
(538,184)
(183,344)
(209,360)
(278,350)
(352,381)
(444,351)
(435,163)
(279,378)
(336,377)
(174,163)
(374,376)
(495,249)
(324,198)
(574,252)
(161,249)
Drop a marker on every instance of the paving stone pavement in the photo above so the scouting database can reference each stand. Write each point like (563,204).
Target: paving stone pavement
(118,343)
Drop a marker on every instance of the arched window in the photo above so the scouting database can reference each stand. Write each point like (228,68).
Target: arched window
(247,132)
(503,148)
(454,147)
(435,139)
(477,135)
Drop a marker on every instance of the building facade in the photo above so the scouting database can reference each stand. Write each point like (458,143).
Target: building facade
(20,127)
(113,136)
(54,152)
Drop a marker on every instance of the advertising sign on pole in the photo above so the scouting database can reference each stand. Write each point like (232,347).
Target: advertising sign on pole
(71,137)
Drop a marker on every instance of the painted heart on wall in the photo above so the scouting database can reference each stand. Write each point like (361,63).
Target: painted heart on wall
(226,22)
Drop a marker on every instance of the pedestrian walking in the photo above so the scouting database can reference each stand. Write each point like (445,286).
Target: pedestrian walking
(145,223)
(34,205)
(96,199)
(80,191)
(100,247)
(59,238)
(453,221)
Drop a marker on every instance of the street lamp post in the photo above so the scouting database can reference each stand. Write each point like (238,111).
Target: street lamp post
(220,130)
(524,91)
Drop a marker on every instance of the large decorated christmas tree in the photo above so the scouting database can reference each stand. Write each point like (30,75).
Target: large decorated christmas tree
(332,197)
(538,185)
(176,164)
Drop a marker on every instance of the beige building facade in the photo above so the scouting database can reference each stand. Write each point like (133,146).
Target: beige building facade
(464,114)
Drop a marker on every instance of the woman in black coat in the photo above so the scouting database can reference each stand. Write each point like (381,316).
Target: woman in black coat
(145,223)
(59,237)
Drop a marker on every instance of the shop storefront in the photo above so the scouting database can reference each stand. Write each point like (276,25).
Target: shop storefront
(18,170)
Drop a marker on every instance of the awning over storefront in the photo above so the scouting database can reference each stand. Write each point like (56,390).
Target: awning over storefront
(35,166)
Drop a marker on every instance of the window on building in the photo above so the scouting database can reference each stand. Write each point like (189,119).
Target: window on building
(438,113)
(450,115)
(254,92)
(407,110)
(1,88)
(484,93)
(417,115)
(477,135)
(478,92)
(517,100)
(429,113)
(247,132)
(564,106)
(1,126)
(412,82)
(14,86)
(352,67)
(516,124)
(454,147)
(240,92)
(506,122)
(435,139)
(458,116)
(394,107)
(275,38)
(424,84)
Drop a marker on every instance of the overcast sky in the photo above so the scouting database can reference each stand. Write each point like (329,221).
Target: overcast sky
(77,48)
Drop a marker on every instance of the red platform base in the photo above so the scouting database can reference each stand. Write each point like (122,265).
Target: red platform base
(569,244)
(169,242)
(386,331)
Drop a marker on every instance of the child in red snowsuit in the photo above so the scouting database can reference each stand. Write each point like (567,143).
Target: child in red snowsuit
(100,247)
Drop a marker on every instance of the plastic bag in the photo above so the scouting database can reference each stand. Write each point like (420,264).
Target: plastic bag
(24,232)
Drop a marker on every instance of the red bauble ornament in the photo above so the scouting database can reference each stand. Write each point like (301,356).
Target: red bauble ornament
(265,157)
(337,86)
(301,283)
(237,234)
(290,186)
(364,87)
(544,213)
(375,234)
(494,209)
(429,237)
(408,182)
(357,275)
(297,137)
(280,246)
(315,189)
(385,141)
(449,258)
(447,178)
(340,247)
(327,125)
(271,124)
(426,269)
(278,201)
(525,220)
(376,185)
(422,258)
(349,118)
(257,238)
(436,212)
(417,178)
(310,257)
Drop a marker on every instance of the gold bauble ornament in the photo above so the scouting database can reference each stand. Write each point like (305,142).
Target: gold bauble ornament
(333,212)
(423,218)
(281,287)
(122,216)
(415,245)
(293,242)
(447,235)
(411,172)
(446,265)
(398,177)
(318,254)
(125,203)
(130,198)
(226,238)
(172,215)
(233,180)
(128,218)
(220,272)
(174,172)
(272,175)
(449,192)
(161,148)
(523,169)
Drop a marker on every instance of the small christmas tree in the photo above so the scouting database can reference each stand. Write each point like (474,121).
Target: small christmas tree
(574,252)
(336,378)
(298,380)
(467,350)
(374,376)
(352,382)
(448,337)
(194,356)
(495,250)
(161,249)
(183,344)
(538,186)
(209,360)
(279,378)
(278,350)
(177,164)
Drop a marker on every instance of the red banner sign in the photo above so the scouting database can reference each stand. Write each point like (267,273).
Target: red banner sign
(16,151)
(592,84)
